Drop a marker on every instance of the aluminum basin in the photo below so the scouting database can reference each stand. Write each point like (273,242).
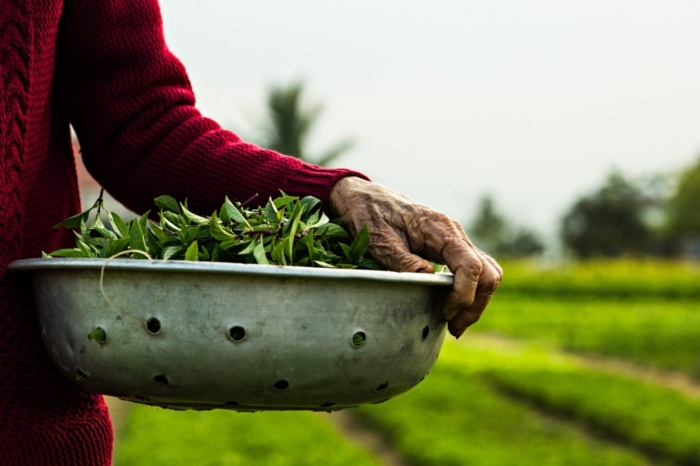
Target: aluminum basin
(195,335)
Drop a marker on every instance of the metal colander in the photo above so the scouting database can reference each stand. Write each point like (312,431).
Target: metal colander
(245,337)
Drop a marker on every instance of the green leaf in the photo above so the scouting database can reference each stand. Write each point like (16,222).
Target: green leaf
(87,250)
(188,234)
(137,238)
(172,252)
(345,266)
(250,248)
(278,252)
(74,221)
(118,224)
(143,221)
(68,253)
(347,251)
(234,213)
(105,233)
(219,254)
(154,246)
(259,253)
(365,263)
(98,335)
(360,244)
(115,247)
(160,234)
(193,218)
(217,231)
(283,201)
(324,264)
(173,221)
(192,252)
(331,230)
(270,212)
(203,254)
(167,203)
(310,203)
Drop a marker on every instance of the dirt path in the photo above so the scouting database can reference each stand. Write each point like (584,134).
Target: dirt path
(674,380)
(370,440)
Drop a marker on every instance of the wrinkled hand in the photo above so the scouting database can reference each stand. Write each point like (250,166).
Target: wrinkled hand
(402,230)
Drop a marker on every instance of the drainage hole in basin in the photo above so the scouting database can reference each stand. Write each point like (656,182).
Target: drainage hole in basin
(327,405)
(236,333)
(232,403)
(281,385)
(382,387)
(358,339)
(153,325)
(426,332)
(161,379)
(99,335)
(80,375)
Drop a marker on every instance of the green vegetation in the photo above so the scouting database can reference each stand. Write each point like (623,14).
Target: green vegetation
(653,419)
(653,332)
(154,437)
(598,279)
(286,231)
(455,418)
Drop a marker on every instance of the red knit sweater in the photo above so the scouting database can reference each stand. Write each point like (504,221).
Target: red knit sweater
(102,66)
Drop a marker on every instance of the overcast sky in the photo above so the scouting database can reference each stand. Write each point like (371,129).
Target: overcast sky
(533,102)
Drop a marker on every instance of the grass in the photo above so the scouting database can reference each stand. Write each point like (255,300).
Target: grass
(455,418)
(154,437)
(650,418)
(654,332)
(611,279)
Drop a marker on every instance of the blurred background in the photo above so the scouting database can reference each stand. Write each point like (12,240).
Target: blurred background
(564,137)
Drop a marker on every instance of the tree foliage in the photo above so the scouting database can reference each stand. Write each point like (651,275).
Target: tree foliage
(289,124)
(684,204)
(610,222)
(495,235)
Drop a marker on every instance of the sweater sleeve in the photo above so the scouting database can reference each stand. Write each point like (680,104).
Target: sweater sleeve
(131,104)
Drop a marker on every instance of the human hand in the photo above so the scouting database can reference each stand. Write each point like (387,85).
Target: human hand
(401,231)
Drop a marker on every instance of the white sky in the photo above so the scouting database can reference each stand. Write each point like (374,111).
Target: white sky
(531,101)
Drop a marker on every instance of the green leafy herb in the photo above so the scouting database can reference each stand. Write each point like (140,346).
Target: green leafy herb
(98,334)
(285,231)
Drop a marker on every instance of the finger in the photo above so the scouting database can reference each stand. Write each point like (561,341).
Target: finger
(466,266)
(494,264)
(391,251)
(488,283)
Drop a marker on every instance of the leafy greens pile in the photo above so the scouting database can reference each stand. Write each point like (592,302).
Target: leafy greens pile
(286,231)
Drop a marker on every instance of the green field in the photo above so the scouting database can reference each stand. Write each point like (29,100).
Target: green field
(155,437)
(535,382)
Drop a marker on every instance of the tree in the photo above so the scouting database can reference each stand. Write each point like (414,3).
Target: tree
(492,233)
(610,222)
(289,123)
(684,205)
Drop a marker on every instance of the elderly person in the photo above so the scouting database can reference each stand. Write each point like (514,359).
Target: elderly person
(103,66)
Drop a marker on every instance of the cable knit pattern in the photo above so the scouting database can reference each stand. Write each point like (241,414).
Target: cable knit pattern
(14,63)
(104,67)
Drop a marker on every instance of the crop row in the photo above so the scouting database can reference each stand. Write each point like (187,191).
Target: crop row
(622,279)
(154,437)
(650,418)
(660,333)
(455,418)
